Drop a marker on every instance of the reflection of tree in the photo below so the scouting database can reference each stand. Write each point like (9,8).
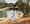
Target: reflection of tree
(2,14)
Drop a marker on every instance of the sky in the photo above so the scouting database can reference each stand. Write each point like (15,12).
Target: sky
(14,1)
(25,1)
(11,1)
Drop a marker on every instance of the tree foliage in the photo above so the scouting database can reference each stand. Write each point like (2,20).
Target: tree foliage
(23,6)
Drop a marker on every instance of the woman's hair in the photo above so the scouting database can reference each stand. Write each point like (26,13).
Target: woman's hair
(10,9)
(13,9)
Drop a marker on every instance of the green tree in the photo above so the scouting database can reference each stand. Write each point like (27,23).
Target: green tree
(19,3)
(11,4)
(23,6)
(15,4)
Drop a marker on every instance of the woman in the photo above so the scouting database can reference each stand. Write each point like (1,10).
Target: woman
(12,14)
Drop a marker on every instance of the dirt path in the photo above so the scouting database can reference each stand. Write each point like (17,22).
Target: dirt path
(19,20)
(23,19)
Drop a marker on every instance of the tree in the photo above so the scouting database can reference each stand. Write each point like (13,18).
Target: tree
(24,7)
(15,4)
(1,5)
(11,4)
(19,3)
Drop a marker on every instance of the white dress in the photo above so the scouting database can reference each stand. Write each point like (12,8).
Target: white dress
(14,16)
(11,14)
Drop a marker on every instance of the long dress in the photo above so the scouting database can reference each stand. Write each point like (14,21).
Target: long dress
(14,16)
(11,14)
